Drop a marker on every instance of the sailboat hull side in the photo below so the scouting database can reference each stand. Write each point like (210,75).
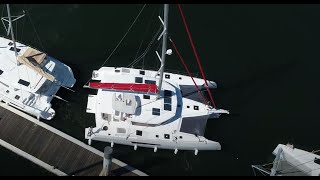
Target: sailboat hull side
(160,144)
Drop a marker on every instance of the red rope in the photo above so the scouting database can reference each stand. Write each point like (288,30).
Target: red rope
(185,66)
(196,55)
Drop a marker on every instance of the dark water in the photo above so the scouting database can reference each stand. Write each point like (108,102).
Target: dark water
(264,58)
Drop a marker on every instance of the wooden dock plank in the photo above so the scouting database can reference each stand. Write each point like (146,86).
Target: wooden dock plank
(52,148)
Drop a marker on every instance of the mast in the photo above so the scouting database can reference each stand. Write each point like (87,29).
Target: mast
(164,46)
(12,34)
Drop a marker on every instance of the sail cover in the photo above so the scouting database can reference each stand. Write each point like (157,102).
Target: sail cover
(33,59)
(149,88)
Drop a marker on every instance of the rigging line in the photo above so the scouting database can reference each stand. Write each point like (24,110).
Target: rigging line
(146,50)
(3,10)
(25,6)
(22,29)
(185,66)
(261,169)
(254,172)
(145,32)
(121,39)
(16,30)
(267,164)
(316,151)
(37,35)
(196,55)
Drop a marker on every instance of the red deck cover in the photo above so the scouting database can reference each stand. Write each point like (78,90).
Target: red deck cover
(150,88)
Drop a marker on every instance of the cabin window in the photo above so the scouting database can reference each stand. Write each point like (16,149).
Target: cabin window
(142,72)
(117,70)
(196,107)
(17,97)
(156,111)
(146,96)
(7,91)
(180,137)
(1,71)
(167,100)
(180,78)
(167,93)
(167,76)
(10,43)
(149,82)
(139,133)
(157,136)
(23,82)
(105,128)
(188,106)
(12,49)
(166,136)
(138,80)
(167,107)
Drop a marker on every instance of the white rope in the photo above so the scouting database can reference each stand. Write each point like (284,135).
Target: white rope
(121,39)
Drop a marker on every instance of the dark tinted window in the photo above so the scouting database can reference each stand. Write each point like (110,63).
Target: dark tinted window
(156,111)
(139,133)
(167,93)
(149,82)
(12,49)
(167,100)
(146,96)
(167,107)
(138,80)
(23,82)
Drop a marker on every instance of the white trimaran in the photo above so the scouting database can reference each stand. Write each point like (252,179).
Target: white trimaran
(29,79)
(291,161)
(140,108)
